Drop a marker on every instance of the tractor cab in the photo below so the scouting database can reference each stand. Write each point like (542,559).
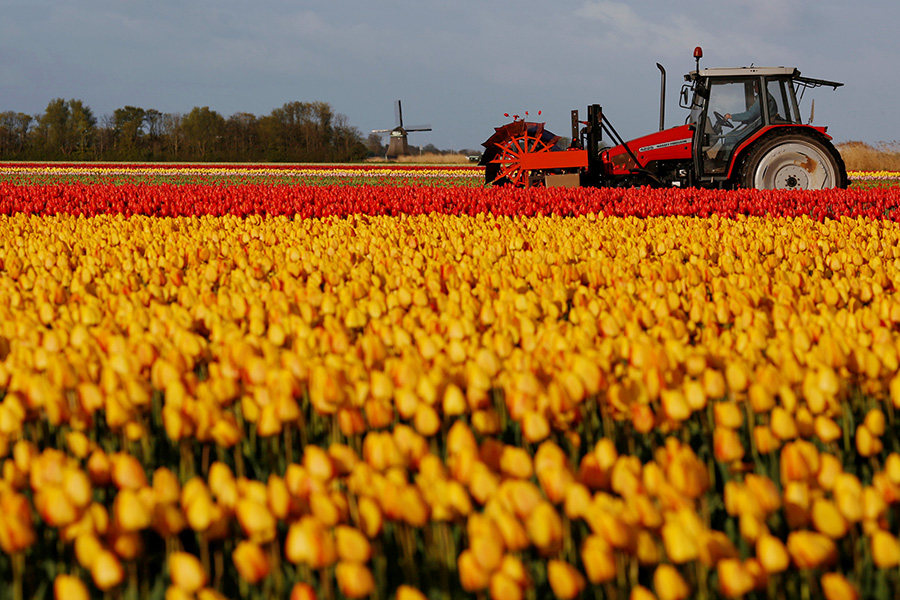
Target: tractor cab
(732,107)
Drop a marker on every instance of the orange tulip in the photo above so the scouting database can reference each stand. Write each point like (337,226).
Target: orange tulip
(734,578)
(130,511)
(352,545)
(502,587)
(810,550)
(354,579)
(545,528)
(106,570)
(308,542)
(186,572)
(87,548)
(565,580)
(867,443)
(639,592)
(515,462)
(69,587)
(16,527)
(828,519)
(251,561)
(772,554)
(303,591)
(836,587)
(885,550)
(369,514)
(257,522)
(669,584)
(471,575)
(127,471)
(727,445)
(599,559)
(407,592)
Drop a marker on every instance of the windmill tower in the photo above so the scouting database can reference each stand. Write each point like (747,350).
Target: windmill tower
(398,145)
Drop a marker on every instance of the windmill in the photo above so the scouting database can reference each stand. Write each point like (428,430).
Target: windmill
(398,145)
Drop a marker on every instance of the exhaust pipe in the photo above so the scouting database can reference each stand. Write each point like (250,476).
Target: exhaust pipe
(662,97)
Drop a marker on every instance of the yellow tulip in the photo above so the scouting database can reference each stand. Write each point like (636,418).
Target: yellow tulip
(250,561)
(772,554)
(669,584)
(836,587)
(565,580)
(354,579)
(885,550)
(69,587)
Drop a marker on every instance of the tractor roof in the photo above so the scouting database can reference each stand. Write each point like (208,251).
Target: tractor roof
(748,71)
(791,72)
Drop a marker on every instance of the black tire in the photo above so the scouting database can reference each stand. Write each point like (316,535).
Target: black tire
(793,160)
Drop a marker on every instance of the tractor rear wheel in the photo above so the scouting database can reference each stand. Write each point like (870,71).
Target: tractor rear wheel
(793,160)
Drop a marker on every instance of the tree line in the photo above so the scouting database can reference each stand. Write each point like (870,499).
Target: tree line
(69,130)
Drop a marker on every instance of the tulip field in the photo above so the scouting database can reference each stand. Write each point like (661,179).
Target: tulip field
(391,382)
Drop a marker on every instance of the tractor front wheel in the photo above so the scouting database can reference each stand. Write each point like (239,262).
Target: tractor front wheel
(793,161)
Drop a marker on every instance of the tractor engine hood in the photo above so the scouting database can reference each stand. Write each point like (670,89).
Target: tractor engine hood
(670,144)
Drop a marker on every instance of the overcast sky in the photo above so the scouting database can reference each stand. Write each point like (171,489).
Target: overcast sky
(457,65)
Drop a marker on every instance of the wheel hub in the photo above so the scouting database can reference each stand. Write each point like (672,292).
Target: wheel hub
(791,177)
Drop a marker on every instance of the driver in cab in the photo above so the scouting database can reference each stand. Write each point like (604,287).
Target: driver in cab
(752,113)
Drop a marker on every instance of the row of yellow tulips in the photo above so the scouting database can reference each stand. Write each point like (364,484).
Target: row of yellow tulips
(511,405)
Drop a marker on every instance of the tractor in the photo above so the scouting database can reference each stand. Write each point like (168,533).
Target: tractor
(743,130)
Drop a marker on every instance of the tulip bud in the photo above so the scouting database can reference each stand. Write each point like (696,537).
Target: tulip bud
(565,580)
(516,462)
(303,591)
(639,592)
(69,587)
(352,545)
(127,471)
(727,445)
(867,443)
(734,579)
(810,550)
(766,441)
(471,575)
(772,554)
(828,519)
(106,570)
(545,528)
(251,562)
(669,584)
(885,550)
(875,422)
(354,579)
(836,587)
(728,414)
(502,587)
(535,427)
(308,542)
(99,467)
(599,560)
(130,512)
(186,572)
(783,425)
(407,592)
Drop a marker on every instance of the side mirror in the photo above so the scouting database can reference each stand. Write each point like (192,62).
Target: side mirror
(683,100)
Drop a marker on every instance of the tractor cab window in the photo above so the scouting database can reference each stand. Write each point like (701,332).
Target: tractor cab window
(733,112)
(781,99)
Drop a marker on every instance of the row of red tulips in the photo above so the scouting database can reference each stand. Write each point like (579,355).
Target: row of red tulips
(339,201)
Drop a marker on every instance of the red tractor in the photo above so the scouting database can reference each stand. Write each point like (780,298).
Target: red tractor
(744,130)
